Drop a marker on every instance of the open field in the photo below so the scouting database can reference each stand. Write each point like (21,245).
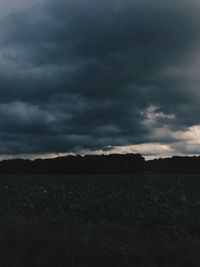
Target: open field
(100,221)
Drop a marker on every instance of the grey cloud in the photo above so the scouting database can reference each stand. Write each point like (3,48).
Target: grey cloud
(86,71)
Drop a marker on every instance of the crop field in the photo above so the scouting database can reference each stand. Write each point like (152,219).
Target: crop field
(100,221)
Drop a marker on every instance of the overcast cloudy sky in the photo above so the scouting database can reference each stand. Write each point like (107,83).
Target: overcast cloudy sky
(99,76)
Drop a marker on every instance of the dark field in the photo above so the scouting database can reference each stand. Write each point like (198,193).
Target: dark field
(100,221)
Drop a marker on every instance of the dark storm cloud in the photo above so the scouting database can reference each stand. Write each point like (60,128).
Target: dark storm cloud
(84,74)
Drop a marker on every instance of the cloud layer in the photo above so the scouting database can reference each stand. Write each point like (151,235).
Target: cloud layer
(99,75)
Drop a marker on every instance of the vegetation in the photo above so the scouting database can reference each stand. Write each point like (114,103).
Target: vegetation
(79,165)
(100,221)
(123,164)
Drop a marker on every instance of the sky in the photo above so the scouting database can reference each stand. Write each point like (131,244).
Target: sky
(99,76)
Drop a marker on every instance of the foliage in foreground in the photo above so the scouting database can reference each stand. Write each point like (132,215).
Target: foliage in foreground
(100,221)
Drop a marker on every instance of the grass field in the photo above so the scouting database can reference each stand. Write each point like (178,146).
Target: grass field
(100,221)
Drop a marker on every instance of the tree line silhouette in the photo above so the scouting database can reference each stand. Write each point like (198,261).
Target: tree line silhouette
(101,164)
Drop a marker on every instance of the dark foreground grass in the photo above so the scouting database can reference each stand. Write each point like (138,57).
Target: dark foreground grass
(100,221)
